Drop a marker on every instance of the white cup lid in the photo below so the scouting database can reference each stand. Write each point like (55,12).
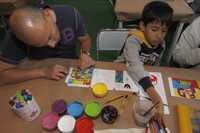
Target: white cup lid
(66,124)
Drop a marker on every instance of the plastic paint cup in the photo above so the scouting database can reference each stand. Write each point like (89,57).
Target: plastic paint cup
(109,114)
(139,109)
(66,124)
(59,107)
(99,89)
(92,109)
(29,111)
(75,109)
(84,125)
(49,121)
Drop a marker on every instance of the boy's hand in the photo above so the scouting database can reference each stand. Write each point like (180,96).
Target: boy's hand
(155,98)
(159,112)
(56,72)
(86,61)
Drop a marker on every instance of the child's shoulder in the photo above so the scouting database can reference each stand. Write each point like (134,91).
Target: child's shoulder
(139,36)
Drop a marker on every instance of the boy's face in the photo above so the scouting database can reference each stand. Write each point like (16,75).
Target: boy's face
(154,32)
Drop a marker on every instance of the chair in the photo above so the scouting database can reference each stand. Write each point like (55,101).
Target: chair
(111,40)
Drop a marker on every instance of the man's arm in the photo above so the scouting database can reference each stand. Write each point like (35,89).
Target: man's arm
(12,74)
(187,51)
(85,59)
(85,42)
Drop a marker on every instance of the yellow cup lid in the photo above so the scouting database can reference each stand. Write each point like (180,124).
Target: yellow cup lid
(99,89)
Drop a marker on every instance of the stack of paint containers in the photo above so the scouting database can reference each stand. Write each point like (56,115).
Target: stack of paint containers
(75,117)
(25,105)
(67,118)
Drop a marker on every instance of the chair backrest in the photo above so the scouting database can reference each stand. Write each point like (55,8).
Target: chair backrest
(111,40)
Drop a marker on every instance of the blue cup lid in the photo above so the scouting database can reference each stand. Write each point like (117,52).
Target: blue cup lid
(75,109)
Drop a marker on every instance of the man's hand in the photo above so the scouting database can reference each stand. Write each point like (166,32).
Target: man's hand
(56,72)
(86,61)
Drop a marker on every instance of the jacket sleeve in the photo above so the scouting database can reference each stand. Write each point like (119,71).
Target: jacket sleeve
(187,50)
(135,66)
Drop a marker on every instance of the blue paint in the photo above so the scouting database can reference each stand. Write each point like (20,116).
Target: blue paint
(75,109)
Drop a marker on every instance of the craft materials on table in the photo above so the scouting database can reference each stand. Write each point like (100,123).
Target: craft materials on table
(93,109)
(84,125)
(143,111)
(188,119)
(59,107)
(99,89)
(75,109)
(49,121)
(66,124)
(109,114)
(115,79)
(78,77)
(184,88)
(25,105)
(120,80)
(155,126)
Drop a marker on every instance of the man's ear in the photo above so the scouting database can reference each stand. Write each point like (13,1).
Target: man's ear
(141,26)
(49,14)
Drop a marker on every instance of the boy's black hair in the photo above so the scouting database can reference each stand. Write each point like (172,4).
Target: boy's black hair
(157,11)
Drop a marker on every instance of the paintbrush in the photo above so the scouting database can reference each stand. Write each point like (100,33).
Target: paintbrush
(150,109)
(116,98)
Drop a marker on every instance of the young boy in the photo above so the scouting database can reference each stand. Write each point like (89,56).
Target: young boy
(145,46)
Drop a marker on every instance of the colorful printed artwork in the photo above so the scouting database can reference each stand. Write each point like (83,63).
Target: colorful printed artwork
(185,88)
(79,78)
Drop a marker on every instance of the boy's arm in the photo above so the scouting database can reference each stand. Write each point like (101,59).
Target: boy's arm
(155,98)
(131,54)
(10,73)
(136,71)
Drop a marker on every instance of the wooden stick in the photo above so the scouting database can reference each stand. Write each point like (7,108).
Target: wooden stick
(116,98)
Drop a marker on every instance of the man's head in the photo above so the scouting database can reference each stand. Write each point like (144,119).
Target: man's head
(155,20)
(35,27)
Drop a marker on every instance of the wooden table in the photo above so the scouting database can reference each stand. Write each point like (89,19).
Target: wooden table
(7,6)
(47,91)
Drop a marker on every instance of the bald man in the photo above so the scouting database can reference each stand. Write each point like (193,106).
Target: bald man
(39,34)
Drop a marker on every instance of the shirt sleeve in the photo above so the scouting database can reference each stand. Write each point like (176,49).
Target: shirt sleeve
(79,24)
(12,50)
(135,66)
(187,51)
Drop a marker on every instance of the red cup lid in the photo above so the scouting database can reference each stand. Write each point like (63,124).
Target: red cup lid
(84,125)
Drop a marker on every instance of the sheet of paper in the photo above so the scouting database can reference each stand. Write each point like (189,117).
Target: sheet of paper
(105,76)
